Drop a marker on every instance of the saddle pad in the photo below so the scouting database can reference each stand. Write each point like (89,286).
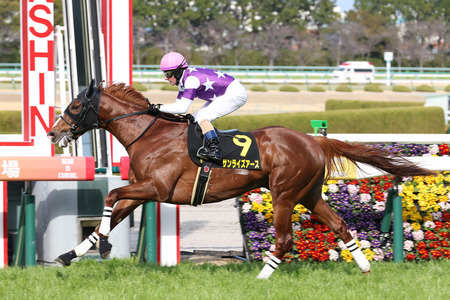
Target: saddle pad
(239,149)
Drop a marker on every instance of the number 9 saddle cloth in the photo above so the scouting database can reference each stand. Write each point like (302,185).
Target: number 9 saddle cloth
(239,149)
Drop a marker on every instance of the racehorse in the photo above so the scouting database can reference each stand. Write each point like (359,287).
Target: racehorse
(292,167)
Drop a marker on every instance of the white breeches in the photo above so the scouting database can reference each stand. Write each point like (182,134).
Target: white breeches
(234,98)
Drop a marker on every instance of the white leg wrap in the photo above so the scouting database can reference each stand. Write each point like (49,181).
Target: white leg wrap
(359,257)
(82,248)
(105,225)
(268,269)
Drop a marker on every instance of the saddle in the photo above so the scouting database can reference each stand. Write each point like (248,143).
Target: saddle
(239,150)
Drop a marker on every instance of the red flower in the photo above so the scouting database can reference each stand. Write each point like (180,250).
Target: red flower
(436,254)
(424,254)
(364,189)
(330,237)
(410,257)
(446,216)
(439,225)
(307,224)
(444,149)
(311,235)
(433,245)
(387,185)
(379,196)
(429,235)
(421,245)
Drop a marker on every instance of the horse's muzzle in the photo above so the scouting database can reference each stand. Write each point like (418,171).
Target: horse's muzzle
(62,139)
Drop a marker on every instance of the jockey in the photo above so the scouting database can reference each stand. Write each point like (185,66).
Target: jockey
(222,93)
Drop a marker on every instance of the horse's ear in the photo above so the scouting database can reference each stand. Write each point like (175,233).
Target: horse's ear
(90,88)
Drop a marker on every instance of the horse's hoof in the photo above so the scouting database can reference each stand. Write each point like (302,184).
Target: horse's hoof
(366,273)
(66,258)
(105,247)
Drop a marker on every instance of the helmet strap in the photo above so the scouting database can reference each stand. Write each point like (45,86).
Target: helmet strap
(177,74)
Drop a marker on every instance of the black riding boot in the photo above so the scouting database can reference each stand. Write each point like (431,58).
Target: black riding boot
(211,151)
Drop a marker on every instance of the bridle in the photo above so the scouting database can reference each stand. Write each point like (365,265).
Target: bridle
(88,118)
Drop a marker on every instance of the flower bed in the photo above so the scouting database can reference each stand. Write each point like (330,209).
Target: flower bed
(361,203)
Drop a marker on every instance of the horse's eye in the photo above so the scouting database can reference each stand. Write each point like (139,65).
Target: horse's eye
(75,107)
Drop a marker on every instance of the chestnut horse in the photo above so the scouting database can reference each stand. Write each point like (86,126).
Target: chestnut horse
(292,167)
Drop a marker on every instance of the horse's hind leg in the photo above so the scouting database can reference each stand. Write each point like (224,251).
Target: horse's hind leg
(326,215)
(284,238)
(120,212)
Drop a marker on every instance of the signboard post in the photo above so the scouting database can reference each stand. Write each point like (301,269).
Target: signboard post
(388,57)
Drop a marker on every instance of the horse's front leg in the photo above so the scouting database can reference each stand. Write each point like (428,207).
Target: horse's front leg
(120,212)
(139,192)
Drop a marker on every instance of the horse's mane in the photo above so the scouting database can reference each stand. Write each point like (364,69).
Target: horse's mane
(126,92)
(129,93)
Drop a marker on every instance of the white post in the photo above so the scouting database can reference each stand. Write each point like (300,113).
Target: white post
(388,57)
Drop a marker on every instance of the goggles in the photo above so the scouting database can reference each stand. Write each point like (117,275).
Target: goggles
(169,73)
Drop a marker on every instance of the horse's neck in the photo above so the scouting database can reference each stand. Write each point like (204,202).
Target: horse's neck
(129,129)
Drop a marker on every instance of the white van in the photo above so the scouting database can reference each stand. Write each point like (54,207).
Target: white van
(355,71)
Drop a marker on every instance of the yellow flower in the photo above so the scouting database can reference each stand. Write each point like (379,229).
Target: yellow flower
(300,209)
(258,207)
(368,254)
(416,226)
(324,189)
(295,218)
(268,215)
(346,255)
(428,217)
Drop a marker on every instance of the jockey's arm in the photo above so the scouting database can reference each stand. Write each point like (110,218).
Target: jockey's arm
(180,106)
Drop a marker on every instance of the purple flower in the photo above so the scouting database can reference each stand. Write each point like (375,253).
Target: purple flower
(408,235)
(255,246)
(376,243)
(253,235)
(266,245)
(374,234)
(257,255)
(362,235)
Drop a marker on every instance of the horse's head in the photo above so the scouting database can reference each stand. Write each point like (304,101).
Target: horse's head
(80,116)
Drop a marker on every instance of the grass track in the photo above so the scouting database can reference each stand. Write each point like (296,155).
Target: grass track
(126,279)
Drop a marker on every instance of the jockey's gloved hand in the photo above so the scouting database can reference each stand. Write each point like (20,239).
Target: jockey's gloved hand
(154,108)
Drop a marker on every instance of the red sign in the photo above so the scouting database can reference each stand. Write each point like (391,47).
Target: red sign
(47,168)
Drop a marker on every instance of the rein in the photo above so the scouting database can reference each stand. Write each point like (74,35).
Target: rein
(89,104)
(146,129)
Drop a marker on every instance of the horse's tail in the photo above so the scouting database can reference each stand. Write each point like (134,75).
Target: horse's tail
(381,159)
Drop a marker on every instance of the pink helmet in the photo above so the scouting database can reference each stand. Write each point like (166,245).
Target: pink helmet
(172,61)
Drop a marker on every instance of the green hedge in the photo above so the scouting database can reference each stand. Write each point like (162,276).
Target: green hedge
(401,88)
(140,87)
(358,104)
(288,88)
(258,88)
(343,88)
(383,120)
(317,88)
(425,88)
(10,122)
(371,87)
(168,87)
